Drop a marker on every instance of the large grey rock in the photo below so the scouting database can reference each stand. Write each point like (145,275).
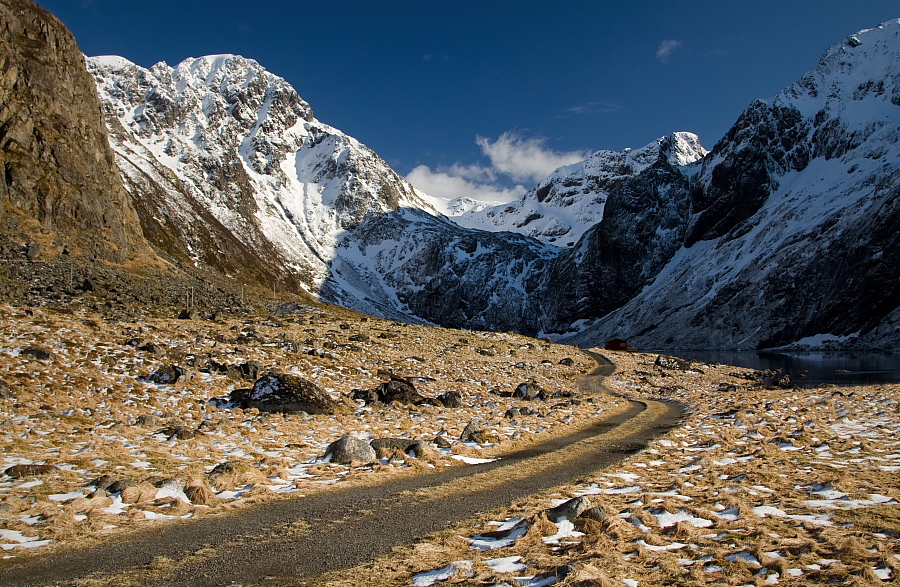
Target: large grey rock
(473,431)
(286,393)
(348,449)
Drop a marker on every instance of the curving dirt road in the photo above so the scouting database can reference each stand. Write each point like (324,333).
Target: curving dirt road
(291,542)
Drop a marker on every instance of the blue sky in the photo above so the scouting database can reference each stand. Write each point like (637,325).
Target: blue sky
(487,95)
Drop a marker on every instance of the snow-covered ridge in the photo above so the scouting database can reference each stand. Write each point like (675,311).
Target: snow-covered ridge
(222,135)
(793,229)
(568,202)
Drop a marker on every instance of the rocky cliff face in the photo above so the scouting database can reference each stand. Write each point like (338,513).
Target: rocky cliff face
(60,191)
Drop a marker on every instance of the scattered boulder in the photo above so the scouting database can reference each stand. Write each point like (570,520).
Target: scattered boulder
(406,445)
(569,510)
(169,375)
(20,471)
(189,314)
(441,441)
(596,513)
(146,420)
(512,413)
(672,363)
(151,348)
(530,391)
(566,362)
(473,432)
(348,449)
(6,391)
(396,390)
(36,353)
(450,399)
(286,393)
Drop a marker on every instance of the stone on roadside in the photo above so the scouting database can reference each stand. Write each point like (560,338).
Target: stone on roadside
(569,510)
(473,431)
(348,449)
(596,513)
(405,445)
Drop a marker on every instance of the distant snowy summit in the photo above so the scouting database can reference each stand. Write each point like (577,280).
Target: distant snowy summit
(568,202)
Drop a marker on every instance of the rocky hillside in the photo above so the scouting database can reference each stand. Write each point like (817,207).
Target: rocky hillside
(60,192)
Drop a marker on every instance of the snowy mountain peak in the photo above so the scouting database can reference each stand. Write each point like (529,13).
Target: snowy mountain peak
(855,79)
(569,201)
(682,148)
(222,135)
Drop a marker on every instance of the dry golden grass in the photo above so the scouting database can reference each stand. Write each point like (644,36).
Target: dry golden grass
(79,409)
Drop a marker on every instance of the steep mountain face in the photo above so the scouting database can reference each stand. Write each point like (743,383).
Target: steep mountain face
(234,173)
(571,200)
(60,192)
(793,223)
(411,263)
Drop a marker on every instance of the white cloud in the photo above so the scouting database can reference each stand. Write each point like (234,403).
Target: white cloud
(448,184)
(520,159)
(525,159)
(591,107)
(665,50)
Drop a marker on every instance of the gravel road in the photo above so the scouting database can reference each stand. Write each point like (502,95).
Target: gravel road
(290,542)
